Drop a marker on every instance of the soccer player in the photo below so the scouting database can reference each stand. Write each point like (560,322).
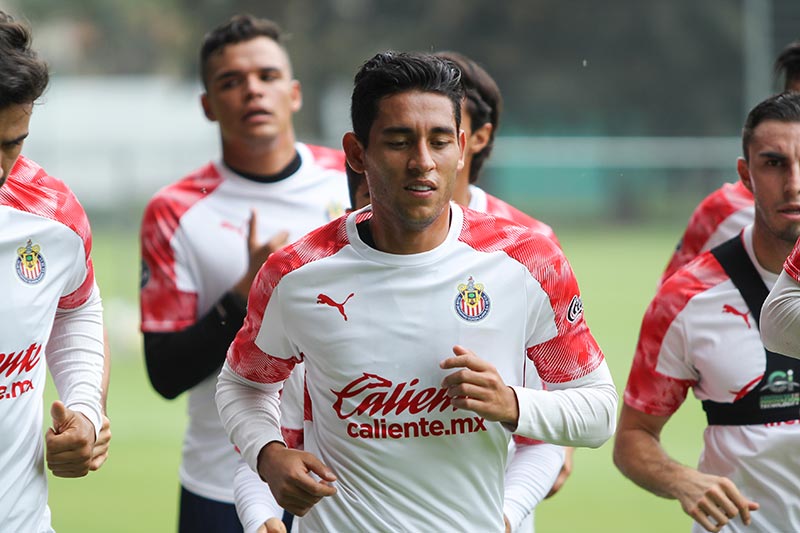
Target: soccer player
(701,332)
(201,243)
(724,212)
(51,311)
(374,302)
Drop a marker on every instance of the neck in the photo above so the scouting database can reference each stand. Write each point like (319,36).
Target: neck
(259,157)
(406,240)
(771,251)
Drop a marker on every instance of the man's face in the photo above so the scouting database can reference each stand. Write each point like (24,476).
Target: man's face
(251,92)
(414,154)
(773,175)
(14,121)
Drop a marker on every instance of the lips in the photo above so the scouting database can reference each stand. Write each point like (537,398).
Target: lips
(256,113)
(422,186)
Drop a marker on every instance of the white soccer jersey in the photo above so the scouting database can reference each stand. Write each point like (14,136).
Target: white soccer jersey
(194,249)
(698,333)
(46,274)
(721,215)
(372,328)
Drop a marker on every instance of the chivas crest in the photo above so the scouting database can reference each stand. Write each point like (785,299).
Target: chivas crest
(30,263)
(472,302)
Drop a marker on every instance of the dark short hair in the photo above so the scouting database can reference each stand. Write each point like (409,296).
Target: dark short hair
(390,73)
(238,29)
(24,75)
(484,104)
(787,64)
(784,107)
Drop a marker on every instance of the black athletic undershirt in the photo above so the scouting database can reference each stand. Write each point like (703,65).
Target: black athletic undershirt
(179,360)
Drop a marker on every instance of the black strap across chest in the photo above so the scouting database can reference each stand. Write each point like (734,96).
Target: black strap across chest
(777,397)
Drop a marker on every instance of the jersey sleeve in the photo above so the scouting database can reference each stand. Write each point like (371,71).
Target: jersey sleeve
(661,373)
(81,285)
(560,344)
(780,316)
(164,306)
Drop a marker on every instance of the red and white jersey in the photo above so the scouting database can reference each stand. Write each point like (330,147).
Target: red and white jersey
(46,268)
(698,333)
(484,202)
(372,327)
(720,216)
(194,249)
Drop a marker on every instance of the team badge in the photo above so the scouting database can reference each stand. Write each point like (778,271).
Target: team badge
(30,263)
(472,302)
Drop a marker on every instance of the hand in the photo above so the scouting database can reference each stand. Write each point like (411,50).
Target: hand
(273,525)
(69,442)
(479,388)
(258,253)
(100,449)
(289,476)
(712,501)
(566,470)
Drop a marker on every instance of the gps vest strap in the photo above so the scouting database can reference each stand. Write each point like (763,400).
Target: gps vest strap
(776,397)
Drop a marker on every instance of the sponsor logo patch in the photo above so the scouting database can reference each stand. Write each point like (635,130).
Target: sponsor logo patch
(472,303)
(575,309)
(31,265)
(145,275)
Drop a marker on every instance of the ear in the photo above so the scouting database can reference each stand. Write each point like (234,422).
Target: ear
(462,145)
(480,138)
(353,151)
(296,96)
(744,173)
(207,107)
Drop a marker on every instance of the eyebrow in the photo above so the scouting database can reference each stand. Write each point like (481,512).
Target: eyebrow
(403,130)
(226,74)
(772,155)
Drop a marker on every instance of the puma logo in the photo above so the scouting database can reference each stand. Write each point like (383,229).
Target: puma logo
(732,310)
(325,299)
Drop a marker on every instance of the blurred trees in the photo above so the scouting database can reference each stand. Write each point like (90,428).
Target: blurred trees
(620,67)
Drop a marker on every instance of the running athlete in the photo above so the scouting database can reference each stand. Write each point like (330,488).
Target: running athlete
(51,312)
(201,244)
(724,212)
(373,304)
(701,331)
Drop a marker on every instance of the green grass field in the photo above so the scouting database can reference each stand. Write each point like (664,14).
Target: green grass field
(137,489)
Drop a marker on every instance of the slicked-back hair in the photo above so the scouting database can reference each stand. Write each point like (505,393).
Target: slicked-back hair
(784,107)
(390,73)
(787,65)
(238,29)
(484,103)
(24,75)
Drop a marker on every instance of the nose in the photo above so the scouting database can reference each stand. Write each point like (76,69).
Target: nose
(253,86)
(793,179)
(422,160)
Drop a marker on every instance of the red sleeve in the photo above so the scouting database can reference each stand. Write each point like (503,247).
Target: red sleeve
(792,263)
(648,390)
(165,307)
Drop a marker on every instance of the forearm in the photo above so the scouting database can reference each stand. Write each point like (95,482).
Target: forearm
(255,503)
(584,414)
(75,358)
(640,457)
(250,413)
(529,476)
(780,317)
(177,361)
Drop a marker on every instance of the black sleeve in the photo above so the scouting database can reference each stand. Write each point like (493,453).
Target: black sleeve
(179,360)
